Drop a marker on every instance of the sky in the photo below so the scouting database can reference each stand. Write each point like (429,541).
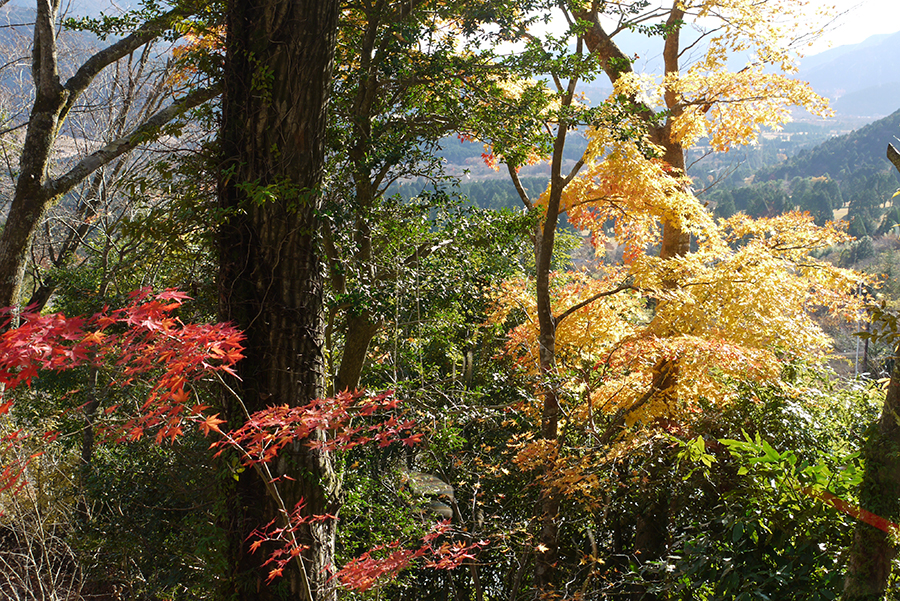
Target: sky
(857,20)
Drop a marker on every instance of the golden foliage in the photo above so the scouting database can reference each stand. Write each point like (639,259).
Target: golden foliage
(736,309)
(769,28)
(620,183)
(731,108)
(652,341)
(739,305)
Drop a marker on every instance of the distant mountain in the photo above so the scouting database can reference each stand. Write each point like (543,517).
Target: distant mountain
(861,79)
(881,99)
(817,60)
(863,149)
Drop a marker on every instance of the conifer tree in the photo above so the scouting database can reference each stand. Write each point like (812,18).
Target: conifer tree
(279,56)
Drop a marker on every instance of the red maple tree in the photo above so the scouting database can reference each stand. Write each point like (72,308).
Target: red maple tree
(146,341)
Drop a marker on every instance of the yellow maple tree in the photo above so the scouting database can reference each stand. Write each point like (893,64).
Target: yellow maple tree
(737,308)
(695,304)
(739,302)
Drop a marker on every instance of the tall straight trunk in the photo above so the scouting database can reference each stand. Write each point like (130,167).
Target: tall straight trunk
(277,77)
(547,556)
(872,551)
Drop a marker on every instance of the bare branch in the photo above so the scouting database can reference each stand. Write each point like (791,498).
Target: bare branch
(588,301)
(624,23)
(8,130)
(519,188)
(575,169)
(618,420)
(102,59)
(126,143)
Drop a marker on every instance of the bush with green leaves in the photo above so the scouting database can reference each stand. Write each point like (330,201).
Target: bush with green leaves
(767,530)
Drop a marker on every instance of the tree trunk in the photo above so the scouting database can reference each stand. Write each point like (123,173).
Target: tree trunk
(277,76)
(651,533)
(360,331)
(548,550)
(871,553)
(615,64)
(651,539)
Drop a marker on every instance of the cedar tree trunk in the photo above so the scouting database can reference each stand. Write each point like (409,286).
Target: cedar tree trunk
(277,76)
(871,553)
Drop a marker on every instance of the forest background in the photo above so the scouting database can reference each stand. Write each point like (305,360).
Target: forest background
(608,379)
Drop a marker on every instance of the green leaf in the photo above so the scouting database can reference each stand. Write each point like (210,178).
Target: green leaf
(737,532)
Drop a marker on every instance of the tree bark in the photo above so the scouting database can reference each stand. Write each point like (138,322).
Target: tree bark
(277,75)
(872,551)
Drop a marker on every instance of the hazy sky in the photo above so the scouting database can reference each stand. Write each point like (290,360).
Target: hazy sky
(862,19)
(857,19)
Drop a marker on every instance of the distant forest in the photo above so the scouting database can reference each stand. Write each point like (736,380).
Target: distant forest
(846,177)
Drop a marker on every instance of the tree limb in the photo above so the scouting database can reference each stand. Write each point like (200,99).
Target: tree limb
(519,188)
(588,301)
(424,249)
(147,32)
(575,169)
(893,156)
(128,142)
(43,58)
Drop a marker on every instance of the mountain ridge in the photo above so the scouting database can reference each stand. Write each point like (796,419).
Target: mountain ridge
(840,156)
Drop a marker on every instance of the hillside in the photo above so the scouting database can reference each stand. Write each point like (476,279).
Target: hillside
(840,156)
(846,177)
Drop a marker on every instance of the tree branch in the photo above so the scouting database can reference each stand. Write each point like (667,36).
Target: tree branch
(126,143)
(43,58)
(588,301)
(147,32)
(519,188)
(575,169)
(893,156)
